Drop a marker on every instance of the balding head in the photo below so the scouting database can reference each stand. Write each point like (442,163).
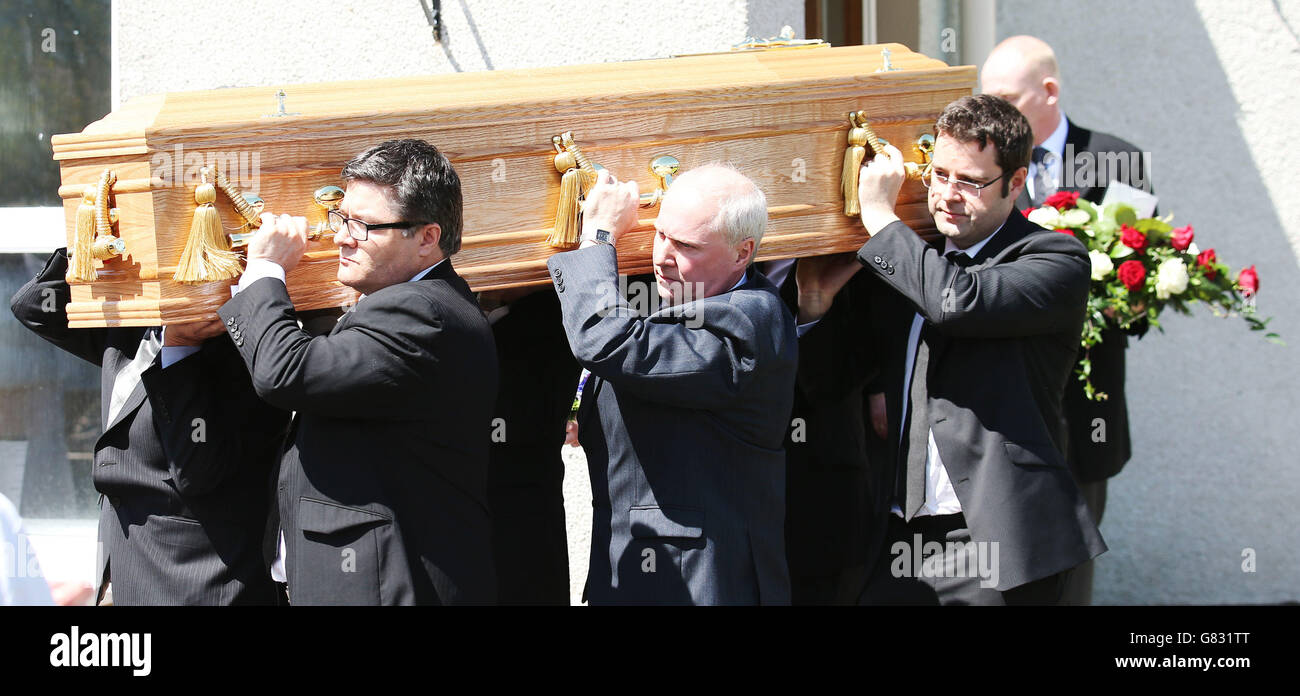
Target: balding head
(741,207)
(709,227)
(1023,70)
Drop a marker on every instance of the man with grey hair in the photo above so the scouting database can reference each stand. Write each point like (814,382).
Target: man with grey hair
(382,491)
(683,416)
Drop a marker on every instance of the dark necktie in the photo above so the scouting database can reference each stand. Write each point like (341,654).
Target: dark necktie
(918,428)
(1043,184)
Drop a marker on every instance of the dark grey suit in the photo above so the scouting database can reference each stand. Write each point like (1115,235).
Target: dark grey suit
(184,501)
(382,495)
(682,422)
(1002,343)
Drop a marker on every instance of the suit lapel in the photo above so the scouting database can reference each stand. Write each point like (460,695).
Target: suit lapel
(117,363)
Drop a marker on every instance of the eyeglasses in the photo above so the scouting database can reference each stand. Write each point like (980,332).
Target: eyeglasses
(968,189)
(359,230)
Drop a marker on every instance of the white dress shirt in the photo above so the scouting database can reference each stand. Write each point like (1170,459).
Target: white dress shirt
(940,498)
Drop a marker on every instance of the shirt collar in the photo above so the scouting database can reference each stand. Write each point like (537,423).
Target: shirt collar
(1055,142)
(972,250)
(425,272)
(743,277)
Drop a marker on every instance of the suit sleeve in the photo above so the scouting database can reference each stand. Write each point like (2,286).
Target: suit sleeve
(364,370)
(209,419)
(836,356)
(1042,290)
(42,306)
(699,359)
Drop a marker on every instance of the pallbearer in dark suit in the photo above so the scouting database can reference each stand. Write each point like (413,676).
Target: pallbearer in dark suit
(526,470)
(828,473)
(1068,157)
(382,493)
(686,408)
(978,339)
(182,464)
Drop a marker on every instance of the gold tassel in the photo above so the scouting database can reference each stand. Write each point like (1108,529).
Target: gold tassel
(568,227)
(853,157)
(82,268)
(207,256)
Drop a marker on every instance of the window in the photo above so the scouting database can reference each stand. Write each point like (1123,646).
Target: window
(55,77)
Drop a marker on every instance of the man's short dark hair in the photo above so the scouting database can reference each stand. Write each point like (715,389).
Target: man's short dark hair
(423,181)
(984,119)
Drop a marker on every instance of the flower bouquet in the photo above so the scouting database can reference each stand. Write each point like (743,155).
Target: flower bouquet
(1140,267)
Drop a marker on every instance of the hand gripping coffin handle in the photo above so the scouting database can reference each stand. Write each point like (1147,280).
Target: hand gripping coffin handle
(861,135)
(94,232)
(579,174)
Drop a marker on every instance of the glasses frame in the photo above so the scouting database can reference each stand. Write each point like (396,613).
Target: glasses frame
(963,187)
(346,223)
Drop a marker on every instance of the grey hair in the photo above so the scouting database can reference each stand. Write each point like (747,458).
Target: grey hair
(742,206)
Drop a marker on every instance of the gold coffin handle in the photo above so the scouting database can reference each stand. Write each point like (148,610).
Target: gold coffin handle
(326,197)
(860,135)
(665,168)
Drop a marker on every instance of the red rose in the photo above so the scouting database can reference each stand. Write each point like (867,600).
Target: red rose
(1206,260)
(1063,200)
(1248,279)
(1182,238)
(1131,238)
(1065,231)
(1027,211)
(1132,274)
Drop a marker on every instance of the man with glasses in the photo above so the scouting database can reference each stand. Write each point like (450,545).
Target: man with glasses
(382,490)
(1023,70)
(977,337)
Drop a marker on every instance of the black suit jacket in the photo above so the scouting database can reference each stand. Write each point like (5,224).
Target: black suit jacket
(1098,431)
(829,486)
(1002,343)
(181,469)
(526,474)
(382,493)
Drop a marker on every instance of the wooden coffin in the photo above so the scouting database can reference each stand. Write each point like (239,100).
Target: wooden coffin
(779,115)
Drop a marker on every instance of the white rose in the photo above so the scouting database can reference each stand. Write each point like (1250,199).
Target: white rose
(1102,266)
(1045,216)
(1171,278)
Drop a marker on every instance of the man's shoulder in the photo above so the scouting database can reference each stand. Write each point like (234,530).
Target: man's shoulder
(433,298)
(1091,140)
(1033,238)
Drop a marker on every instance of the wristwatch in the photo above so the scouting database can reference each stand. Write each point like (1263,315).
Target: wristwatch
(601,237)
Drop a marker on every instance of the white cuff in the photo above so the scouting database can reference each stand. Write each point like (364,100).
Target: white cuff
(255,270)
(174,354)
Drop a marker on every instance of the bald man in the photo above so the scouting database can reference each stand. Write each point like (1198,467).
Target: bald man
(685,412)
(1068,157)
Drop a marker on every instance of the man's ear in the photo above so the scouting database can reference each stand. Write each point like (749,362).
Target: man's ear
(1017,182)
(1053,88)
(745,252)
(430,236)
